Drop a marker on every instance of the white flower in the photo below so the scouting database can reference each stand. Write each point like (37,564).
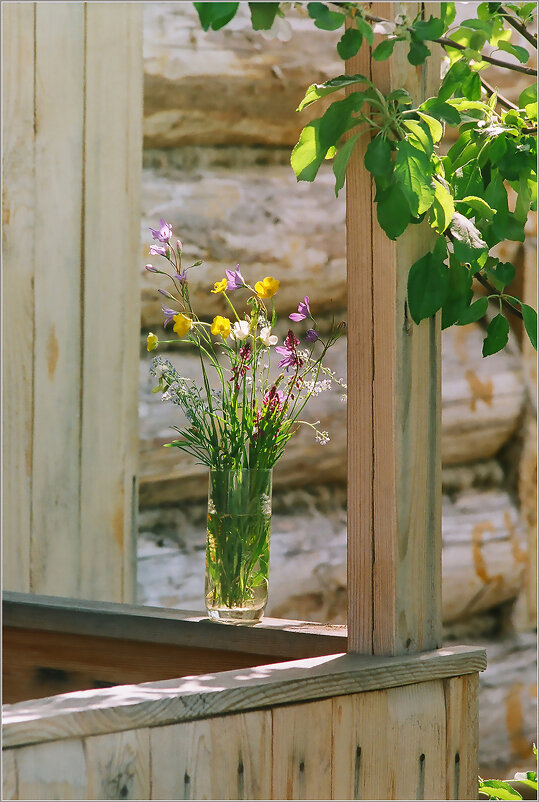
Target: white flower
(384,27)
(267,338)
(240,330)
(281,30)
(322,438)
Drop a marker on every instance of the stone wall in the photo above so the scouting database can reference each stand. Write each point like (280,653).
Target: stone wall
(219,124)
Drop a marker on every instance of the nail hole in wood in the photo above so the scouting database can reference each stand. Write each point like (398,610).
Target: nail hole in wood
(123,791)
(357,768)
(302,765)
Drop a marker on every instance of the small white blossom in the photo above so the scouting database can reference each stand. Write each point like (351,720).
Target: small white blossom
(322,437)
(384,27)
(281,30)
(240,330)
(266,337)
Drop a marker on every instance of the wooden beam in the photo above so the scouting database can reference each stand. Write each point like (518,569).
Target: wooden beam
(394,507)
(121,708)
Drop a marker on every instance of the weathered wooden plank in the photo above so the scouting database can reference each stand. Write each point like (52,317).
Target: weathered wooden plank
(272,636)
(118,765)
(169,701)
(219,758)
(38,664)
(55,544)
(46,772)
(462,728)
(360,374)
(9,775)
(18,210)
(109,378)
(390,744)
(404,425)
(301,755)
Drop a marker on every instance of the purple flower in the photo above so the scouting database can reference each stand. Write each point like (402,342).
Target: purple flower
(182,277)
(169,314)
(158,250)
(303,311)
(311,336)
(289,352)
(151,269)
(167,295)
(163,233)
(234,279)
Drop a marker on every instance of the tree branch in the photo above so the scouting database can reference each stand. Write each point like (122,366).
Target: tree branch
(503,101)
(493,291)
(520,27)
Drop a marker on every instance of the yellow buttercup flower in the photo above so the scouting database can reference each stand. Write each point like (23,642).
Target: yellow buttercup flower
(151,341)
(220,286)
(267,288)
(182,324)
(221,325)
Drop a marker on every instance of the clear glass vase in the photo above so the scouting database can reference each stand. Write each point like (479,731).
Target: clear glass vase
(237,548)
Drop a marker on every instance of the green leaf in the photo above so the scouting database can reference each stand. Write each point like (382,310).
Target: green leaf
(496,789)
(349,43)
(365,29)
(340,162)
(448,13)
(458,296)
(467,239)
(308,154)
(474,312)
(414,173)
(377,157)
(429,29)
(442,209)
(529,95)
(383,50)
(501,274)
(317,91)
(496,339)
(421,135)
(435,126)
(418,52)
(478,25)
(392,211)
(427,287)
(518,52)
(479,206)
(263,15)
(215,15)
(529,317)
(442,111)
(323,18)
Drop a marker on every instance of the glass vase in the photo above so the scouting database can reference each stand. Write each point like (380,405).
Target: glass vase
(237,548)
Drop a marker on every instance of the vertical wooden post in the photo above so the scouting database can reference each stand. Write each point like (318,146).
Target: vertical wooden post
(394,469)
(72,112)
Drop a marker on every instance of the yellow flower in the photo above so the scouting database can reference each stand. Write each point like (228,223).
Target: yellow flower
(221,325)
(182,324)
(219,286)
(267,288)
(151,341)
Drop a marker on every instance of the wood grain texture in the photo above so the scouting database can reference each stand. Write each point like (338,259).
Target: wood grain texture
(302,751)
(462,727)
(272,636)
(390,744)
(113,109)
(45,771)
(118,765)
(360,374)
(157,703)
(401,561)
(9,775)
(18,210)
(219,758)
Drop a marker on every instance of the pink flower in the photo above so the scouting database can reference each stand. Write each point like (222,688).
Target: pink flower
(163,233)
(303,311)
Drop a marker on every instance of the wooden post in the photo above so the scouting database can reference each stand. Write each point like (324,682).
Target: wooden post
(72,109)
(394,468)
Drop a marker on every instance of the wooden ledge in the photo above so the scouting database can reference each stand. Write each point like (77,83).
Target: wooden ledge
(151,704)
(272,637)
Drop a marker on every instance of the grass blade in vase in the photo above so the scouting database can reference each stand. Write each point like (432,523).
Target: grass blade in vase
(239,430)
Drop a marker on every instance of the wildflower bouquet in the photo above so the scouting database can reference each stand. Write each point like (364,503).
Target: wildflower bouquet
(240,428)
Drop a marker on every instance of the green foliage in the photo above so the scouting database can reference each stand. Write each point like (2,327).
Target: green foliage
(496,789)
(463,195)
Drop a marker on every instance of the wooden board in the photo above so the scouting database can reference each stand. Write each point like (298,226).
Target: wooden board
(18,210)
(219,758)
(302,751)
(462,728)
(395,536)
(112,141)
(395,742)
(9,775)
(118,765)
(45,771)
(157,703)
